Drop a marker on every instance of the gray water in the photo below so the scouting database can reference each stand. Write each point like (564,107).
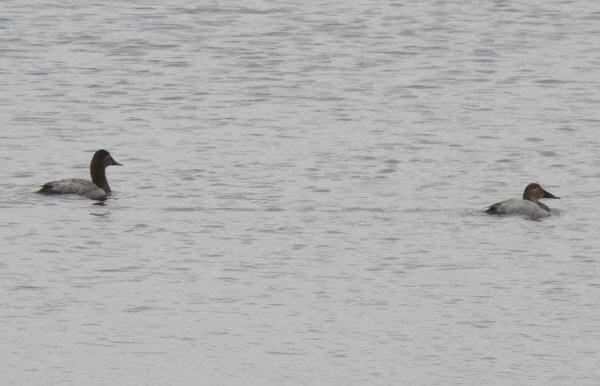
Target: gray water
(302,192)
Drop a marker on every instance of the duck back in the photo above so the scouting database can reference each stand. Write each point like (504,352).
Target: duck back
(74,186)
(518,206)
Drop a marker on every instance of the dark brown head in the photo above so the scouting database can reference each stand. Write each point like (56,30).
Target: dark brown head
(100,161)
(534,192)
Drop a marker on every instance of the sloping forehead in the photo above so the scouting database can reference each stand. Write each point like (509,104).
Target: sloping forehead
(533,186)
(101,153)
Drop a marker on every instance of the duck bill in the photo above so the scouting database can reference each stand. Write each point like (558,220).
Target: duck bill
(549,195)
(113,162)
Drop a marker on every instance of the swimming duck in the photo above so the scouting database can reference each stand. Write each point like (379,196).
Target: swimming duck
(96,189)
(528,206)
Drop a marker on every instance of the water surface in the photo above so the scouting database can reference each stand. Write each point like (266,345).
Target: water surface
(302,192)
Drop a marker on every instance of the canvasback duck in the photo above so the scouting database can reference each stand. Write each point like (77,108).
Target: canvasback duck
(529,206)
(96,189)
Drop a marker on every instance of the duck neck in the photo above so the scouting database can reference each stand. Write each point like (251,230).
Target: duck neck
(99,178)
(546,208)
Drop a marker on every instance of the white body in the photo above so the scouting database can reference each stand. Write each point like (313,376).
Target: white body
(521,207)
(77,186)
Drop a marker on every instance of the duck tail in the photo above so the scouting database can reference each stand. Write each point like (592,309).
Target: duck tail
(46,189)
(492,210)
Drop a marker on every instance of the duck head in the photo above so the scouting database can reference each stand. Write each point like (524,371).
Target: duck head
(534,192)
(100,161)
(102,158)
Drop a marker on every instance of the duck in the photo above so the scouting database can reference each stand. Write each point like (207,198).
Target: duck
(529,206)
(96,189)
